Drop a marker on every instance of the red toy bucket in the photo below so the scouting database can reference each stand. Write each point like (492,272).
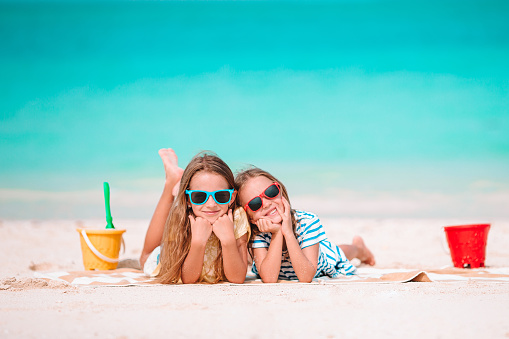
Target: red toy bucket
(467,244)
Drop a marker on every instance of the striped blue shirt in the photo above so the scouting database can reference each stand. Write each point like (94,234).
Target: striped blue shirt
(332,261)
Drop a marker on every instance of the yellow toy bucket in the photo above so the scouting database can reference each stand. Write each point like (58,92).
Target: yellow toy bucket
(100,248)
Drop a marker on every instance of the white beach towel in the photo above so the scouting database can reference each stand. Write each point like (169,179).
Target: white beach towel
(131,277)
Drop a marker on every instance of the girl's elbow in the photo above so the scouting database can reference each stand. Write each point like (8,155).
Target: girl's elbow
(188,281)
(237,280)
(237,277)
(268,279)
(306,280)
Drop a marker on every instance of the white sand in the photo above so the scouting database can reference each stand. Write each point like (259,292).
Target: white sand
(34,309)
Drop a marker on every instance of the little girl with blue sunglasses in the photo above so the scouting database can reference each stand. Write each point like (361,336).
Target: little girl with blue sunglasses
(290,244)
(201,239)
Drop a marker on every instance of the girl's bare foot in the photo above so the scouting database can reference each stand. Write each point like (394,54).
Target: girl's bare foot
(364,254)
(171,168)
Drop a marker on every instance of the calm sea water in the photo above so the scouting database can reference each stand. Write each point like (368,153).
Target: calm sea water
(356,95)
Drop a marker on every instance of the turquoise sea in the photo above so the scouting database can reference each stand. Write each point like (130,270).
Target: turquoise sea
(378,108)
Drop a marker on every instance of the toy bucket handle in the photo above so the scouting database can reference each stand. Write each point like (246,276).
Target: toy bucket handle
(443,235)
(99,254)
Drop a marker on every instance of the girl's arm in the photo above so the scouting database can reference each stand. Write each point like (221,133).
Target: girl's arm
(235,260)
(156,227)
(193,264)
(201,230)
(304,261)
(268,260)
(234,250)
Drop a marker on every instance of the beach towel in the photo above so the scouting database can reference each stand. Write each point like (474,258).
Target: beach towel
(133,277)
(447,274)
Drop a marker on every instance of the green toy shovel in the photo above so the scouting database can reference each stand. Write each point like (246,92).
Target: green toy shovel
(109,219)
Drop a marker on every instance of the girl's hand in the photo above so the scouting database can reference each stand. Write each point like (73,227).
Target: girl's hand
(266,226)
(286,224)
(223,227)
(201,230)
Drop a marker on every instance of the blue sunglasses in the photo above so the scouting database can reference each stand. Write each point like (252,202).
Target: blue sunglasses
(221,197)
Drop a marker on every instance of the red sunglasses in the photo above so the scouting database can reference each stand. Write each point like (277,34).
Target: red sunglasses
(270,193)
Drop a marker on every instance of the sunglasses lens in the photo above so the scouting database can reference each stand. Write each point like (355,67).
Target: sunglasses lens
(198,197)
(255,204)
(272,191)
(223,197)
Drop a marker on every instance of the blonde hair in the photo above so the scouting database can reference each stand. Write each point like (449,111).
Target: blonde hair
(243,177)
(176,240)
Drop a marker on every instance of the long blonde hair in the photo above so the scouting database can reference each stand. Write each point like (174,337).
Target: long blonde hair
(176,240)
(242,178)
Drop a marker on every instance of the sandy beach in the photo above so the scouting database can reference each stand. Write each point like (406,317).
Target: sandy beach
(34,308)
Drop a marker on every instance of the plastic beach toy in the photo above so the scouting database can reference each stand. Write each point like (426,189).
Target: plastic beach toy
(101,247)
(467,244)
(109,219)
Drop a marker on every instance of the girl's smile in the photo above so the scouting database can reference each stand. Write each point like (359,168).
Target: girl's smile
(211,213)
(271,212)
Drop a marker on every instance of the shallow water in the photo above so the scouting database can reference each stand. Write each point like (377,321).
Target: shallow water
(363,96)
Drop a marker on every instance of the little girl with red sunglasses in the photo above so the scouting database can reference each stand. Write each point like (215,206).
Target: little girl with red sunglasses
(289,244)
(200,238)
